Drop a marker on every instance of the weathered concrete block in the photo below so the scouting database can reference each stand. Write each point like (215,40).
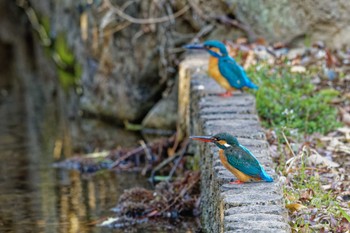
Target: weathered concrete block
(266,209)
(255,230)
(252,207)
(252,198)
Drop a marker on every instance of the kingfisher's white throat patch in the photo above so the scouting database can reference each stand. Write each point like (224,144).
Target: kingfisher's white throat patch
(224,143)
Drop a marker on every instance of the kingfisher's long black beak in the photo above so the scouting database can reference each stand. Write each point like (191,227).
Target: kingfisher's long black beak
(203,138)
(194,46)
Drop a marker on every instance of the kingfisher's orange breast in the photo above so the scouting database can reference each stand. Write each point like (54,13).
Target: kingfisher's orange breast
(240,175)
(214,72)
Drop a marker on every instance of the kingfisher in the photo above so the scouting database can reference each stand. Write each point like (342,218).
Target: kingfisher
(236,158)
(223,68)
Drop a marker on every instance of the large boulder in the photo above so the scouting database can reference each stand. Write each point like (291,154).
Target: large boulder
(164,114)
(294,20)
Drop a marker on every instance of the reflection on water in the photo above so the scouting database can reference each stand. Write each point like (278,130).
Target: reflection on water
(35,197)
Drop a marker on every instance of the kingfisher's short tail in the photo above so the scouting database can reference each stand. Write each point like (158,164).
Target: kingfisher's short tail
(252,85)
(266,177)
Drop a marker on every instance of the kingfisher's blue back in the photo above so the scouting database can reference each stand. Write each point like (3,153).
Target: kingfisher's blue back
(234,73)
(242,159)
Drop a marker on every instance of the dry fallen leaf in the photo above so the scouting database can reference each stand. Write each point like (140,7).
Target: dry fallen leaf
(295,207)
(290,197)
(345,116)
(316,158)
(307,195)
(326,187)
(344,130)
(298,69)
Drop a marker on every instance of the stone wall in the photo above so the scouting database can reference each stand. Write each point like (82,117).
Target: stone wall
(253,207)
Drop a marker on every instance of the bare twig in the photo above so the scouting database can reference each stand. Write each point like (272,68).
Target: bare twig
(34,20)
(163,164)
(224,19)
(137,35)
(127,4)
(294,158)
(169,160)
(124,157)
(147,151)
(131,19)
(195,6)
(289,147)
(182,193)
(170,13)
(204,31)
(116,28)
(182,153)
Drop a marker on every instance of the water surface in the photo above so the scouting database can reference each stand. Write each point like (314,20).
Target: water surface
(36,197)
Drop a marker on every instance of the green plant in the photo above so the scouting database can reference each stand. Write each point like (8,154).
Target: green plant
(290,100)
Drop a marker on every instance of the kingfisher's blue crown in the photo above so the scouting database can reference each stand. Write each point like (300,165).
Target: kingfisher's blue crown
(230,139)
(216,44)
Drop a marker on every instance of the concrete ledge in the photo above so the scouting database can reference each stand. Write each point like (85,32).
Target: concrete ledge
(253,207)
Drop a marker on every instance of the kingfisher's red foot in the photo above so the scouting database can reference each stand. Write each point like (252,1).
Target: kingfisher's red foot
(237,182)
(226,94)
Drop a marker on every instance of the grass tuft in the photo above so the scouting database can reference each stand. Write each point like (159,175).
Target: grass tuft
(290,100)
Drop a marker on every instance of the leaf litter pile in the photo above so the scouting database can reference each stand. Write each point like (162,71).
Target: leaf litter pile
(314,167)
(176,193)
(169,201)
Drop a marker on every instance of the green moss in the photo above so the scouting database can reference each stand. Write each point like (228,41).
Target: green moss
(290,101)
(69,70)
(66,79)
(63,50)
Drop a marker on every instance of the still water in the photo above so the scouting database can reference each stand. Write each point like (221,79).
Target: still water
(35,197)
